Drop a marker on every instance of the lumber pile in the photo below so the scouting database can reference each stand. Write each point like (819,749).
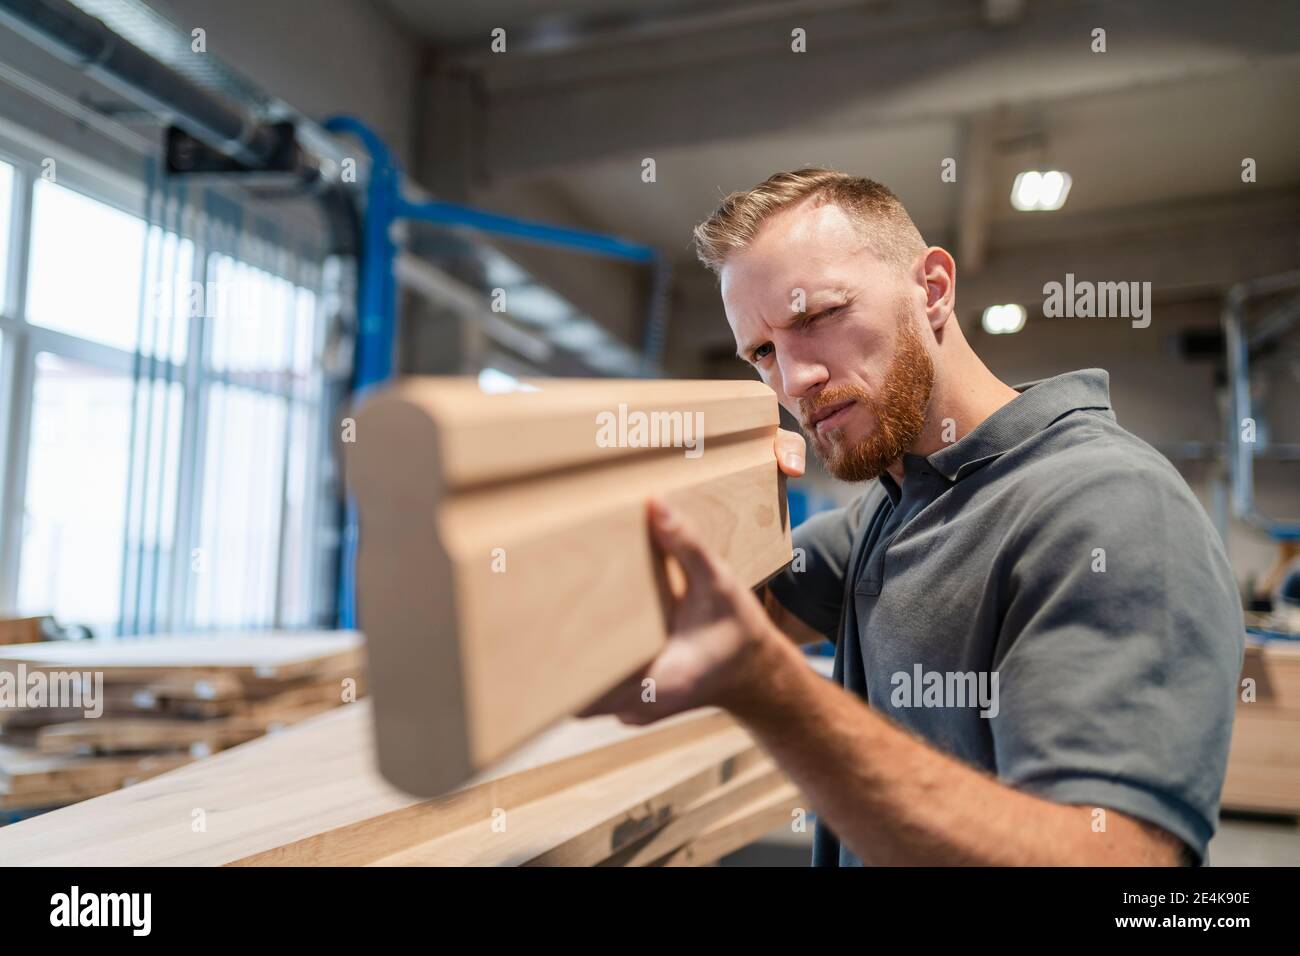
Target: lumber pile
(1264,762)
(685,791)
(21,630)
(144,706)
(506,575)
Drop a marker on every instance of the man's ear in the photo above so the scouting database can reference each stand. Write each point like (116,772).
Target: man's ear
(939,272)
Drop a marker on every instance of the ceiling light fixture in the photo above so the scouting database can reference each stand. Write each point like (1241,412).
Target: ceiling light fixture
(1003,319)
(1035,191)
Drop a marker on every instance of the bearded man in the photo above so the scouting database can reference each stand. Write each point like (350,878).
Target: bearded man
(1012,538)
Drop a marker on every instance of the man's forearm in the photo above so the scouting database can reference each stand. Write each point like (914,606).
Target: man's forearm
(892,799)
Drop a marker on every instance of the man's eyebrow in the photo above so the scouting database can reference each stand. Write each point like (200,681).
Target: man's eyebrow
(826,299)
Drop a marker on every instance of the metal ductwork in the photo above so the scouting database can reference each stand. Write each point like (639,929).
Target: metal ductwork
(85,42)
(211,133)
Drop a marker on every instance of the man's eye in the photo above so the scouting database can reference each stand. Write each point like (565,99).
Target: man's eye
(762,352)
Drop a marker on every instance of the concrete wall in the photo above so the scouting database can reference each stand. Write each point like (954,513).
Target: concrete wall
(320,56)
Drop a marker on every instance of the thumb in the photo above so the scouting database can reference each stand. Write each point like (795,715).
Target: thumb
(790,452)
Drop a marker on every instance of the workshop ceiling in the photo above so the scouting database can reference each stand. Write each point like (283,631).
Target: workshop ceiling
(712,92)
(452,23)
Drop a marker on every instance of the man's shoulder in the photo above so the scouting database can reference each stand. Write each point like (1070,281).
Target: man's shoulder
(1087,475)
(1088,449)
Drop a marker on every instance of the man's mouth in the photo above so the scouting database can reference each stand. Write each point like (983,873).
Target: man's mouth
(831,416)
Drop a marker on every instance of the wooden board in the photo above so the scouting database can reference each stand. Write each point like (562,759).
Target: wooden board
(265,711)
(190,699)
(21,630)
(740,829)
(54,797)
(22,771)
(674,815)
(753,783)
(199,737)
(582,824)
(255,658)
(255,796)
(568,755)
(264,800)
(1264,761)
(467,661)
(61,795)
(1256,788)
(85,738)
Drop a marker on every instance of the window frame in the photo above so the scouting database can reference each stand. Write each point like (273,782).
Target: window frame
(21,341)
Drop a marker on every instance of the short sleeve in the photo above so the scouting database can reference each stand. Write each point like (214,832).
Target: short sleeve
(1120,650)
(812,586)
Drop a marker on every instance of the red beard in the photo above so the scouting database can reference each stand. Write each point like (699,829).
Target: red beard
(899,411)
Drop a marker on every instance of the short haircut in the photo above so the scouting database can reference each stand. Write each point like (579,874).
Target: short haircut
(886,227)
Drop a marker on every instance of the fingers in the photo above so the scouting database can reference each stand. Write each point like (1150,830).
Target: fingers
(678,539)
(790,452)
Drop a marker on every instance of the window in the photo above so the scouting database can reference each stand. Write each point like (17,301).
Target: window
(239,545)
(86,267)
(75,512)
(171,296)
(262,410)
(165,454)
(6,207)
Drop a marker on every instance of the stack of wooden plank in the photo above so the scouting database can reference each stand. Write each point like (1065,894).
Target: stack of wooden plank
(685,791)
(1264,762)
(151,705)
(21,630)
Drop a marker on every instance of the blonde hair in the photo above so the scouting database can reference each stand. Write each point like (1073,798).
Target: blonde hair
(887,228)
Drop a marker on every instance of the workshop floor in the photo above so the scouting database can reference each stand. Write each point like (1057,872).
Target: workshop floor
(1240,841)
(1256,841)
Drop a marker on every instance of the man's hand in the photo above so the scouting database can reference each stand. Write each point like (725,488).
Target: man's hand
(720,641)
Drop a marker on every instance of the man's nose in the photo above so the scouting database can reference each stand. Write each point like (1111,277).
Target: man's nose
(802,376)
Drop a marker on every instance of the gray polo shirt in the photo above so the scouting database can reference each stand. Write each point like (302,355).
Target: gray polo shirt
(1057,567)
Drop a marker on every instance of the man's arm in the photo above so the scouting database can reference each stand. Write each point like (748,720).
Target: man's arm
(888,796)
(892,799)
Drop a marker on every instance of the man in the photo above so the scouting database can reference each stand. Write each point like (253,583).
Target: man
(1030,601)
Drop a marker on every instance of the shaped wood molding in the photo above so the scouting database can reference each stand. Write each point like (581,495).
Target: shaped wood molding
(506,576)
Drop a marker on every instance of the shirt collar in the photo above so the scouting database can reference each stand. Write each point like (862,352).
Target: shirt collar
(1039,404)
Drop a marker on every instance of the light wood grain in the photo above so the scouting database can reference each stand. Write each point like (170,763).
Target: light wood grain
(1264,761)
(263,801)
(23,771)
(580,825)
(20,630)
(752,783)
(255,658)
(740,829)
(467,662)
(198,736)
(565,756)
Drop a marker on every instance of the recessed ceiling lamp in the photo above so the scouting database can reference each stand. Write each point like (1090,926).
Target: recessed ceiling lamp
(1003,319)
(1035,191)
